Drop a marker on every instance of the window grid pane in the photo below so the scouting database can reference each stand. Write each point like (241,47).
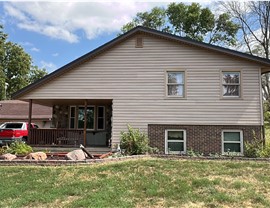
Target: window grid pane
(231,78)
(175,135)
(231,90)
(232,136)
(176,146)
(177,90)
(232,147)
(176,77)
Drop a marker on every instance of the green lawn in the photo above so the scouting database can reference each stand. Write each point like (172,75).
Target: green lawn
(138,183)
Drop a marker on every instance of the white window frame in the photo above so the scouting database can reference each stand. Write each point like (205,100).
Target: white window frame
(233,142)
(234,84)
(166,142)
(75,114)
(171,84)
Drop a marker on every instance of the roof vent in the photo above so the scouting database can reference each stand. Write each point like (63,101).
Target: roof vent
(139,42)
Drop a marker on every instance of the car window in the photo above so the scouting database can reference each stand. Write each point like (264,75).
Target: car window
(14,126)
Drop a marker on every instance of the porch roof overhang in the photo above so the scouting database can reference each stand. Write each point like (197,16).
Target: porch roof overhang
(52,102)
(265,70)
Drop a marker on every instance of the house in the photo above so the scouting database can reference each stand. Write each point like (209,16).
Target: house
(16,110)
(184,94)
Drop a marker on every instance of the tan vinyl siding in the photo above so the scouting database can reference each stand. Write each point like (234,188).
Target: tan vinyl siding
(135,79)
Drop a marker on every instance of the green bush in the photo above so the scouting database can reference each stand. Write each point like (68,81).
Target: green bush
(253,148)
(134,142)
(19,148)
(257,148)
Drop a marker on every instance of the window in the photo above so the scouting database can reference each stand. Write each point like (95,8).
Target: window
(175,141)
(175,84)
(72,113)
(101,118)
(231,84)
(232,141)
(90,114)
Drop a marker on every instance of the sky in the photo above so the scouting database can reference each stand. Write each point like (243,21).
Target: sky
(55,33)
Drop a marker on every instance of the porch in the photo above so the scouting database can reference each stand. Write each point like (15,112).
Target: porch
(67,138)
(74,122)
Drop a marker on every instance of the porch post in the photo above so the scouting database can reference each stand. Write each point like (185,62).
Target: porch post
(29,121)
(85,122)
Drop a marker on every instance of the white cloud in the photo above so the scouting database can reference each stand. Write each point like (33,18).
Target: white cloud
(66,20)
(55,54)
(35,49)
(49,66)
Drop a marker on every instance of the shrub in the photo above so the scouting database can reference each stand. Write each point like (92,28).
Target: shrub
(253,148)
(134,142)
(19,148)
(256,148)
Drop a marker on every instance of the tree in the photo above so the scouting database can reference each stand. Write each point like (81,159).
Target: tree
(36,74)
(254,19)
(16,70)
(156,19)
(17,65)
(3,37)
(190,21)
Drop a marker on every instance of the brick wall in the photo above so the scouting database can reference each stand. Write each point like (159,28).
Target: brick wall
(201,138)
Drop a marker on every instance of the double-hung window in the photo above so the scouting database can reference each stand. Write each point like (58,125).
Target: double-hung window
(232,141)
(175,84)
(231,84)
(175,141)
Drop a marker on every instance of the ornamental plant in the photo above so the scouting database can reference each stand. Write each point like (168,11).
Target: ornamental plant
(134,142)
(19,148)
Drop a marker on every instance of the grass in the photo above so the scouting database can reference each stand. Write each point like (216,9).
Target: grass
(138,183)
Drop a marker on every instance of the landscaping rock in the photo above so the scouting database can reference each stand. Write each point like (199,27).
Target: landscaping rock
(36,156)
(76,155)
(8,156)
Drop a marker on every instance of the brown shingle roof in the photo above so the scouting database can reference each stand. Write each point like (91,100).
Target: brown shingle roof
(16,109)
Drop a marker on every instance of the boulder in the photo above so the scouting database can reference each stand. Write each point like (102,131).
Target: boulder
(8,156)
(76,155)
(36,156)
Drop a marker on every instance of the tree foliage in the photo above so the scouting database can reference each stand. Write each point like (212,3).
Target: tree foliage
(190,21)
(16,70)
(156,19)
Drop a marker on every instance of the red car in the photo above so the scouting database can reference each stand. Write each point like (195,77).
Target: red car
(14,131)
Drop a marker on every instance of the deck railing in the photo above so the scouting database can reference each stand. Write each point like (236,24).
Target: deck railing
(55,137)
